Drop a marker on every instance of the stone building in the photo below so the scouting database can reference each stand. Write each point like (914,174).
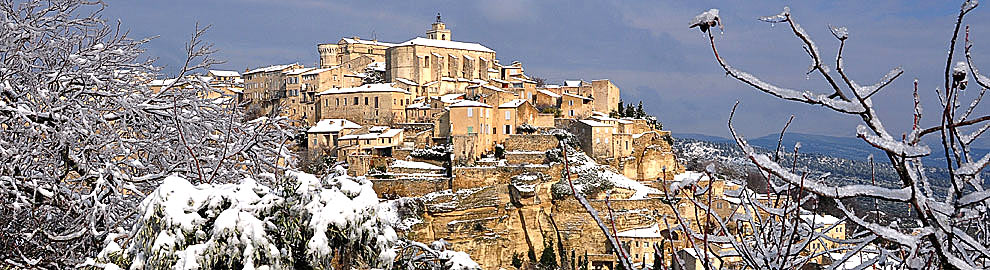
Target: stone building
(575,106)
(325,134)
(471,129)
(379,104)
(351,48)
(224,76)
(438,59)
(266,86)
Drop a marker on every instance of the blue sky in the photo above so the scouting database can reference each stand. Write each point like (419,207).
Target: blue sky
(644,47)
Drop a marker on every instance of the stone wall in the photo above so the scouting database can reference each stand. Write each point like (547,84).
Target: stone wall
(531,142)
(533,157)
(473,177)
(393,188)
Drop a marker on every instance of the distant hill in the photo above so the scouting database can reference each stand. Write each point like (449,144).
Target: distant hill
(851,148)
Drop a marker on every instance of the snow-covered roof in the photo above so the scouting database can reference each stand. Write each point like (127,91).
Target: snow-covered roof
(374,133)
(451,98)
(577,96)
(512,103)
(606,118)
(418,105)
(548,93)
(415,165)
(653,231)
(377,66)
(826,219)
(548,86)
(470,103)
(375,87)
(269,68)
(594,123)
(332,125)
(367,42)
(489,87)
(391,133)
(318,71)
(406,81)
(447,44)
(499,80)
(571,83)
(297,71)
(161,82)
(224,73)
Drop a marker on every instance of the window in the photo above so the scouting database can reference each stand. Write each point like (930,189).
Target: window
(570,103)
(470,112)
(494,130)
(572,112)
(366,101)
(508,129)
(427,61)
(355,100)
(488,113)
(376,102)
(606,139)
(470,129)
(627,145)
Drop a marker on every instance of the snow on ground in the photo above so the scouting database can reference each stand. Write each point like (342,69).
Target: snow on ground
(415,165)
(581,164)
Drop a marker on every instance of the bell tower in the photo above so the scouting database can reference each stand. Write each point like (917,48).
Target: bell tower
(439,30)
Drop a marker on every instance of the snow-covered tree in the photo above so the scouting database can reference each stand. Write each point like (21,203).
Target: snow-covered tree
(83,137)
(307,222)
(954,231)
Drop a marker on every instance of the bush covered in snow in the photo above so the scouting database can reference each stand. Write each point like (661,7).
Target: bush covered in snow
(437,152)
(309,222)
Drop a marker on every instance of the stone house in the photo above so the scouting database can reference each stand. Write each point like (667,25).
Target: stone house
(575,106)
(266,86)
(471,126)
(366,104)
(325,134)
(347,49)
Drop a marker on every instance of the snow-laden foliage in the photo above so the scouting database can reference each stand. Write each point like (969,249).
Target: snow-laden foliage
(948,230)
(83,137)
(335,222)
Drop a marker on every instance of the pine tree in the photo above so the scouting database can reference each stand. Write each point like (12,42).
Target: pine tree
(640,113)
(548,259)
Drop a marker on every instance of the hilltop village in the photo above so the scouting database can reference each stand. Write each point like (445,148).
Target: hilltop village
(477,148)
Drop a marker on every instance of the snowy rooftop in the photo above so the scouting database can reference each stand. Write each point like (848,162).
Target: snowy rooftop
(826,219)
(377,66)
(332,125)
(391,133)
(224,73)
(377,87)
(318,71)
(418,105)
(451,98)
(469,103)
(447,44)
(406,81)
(594,123)
(606,118)
(652,231)
(367,42)
(548,93)
(415,165)
(269,69)
(513,103)
(577,96)
(297,71)
(576,83)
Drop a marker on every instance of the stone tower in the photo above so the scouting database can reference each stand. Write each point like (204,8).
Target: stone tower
(439,30)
